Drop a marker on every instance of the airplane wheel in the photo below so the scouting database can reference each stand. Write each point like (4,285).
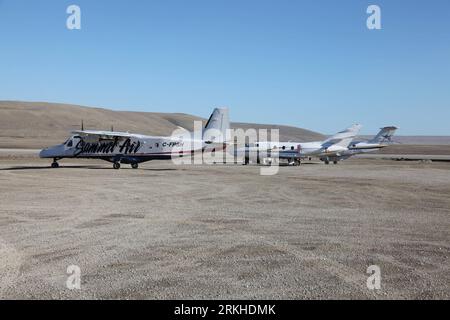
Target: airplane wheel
(55,165)
(298,162)
(335,162)
(327,162)
(116,165)
(135,165)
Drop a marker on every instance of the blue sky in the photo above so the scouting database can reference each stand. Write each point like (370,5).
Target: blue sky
(311,64)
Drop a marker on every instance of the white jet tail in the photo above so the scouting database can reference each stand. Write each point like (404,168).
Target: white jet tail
(385,135)
(343,138)
(217,129)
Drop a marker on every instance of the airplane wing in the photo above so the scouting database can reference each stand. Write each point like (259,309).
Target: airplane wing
(106,134)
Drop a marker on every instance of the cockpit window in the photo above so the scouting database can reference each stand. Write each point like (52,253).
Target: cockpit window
(70,143)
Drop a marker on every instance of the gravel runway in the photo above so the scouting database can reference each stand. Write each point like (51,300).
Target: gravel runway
(224,231)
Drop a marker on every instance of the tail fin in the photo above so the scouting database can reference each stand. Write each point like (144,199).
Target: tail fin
(342,139)
(348,133)
(385,135)
(217,129)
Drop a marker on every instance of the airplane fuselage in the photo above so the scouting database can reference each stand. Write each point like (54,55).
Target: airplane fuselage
(130,149)
(290,150)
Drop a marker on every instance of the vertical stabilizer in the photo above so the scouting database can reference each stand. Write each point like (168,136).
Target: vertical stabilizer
(217,129)
(385,135)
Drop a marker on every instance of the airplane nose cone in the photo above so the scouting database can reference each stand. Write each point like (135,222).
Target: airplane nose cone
(44,153)
(52,152)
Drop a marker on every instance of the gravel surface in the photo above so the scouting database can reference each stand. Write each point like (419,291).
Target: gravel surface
(188,232)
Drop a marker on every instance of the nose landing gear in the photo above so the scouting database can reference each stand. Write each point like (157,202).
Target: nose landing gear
(116,165)
(55,164)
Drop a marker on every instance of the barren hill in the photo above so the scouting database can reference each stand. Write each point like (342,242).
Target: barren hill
(39,124)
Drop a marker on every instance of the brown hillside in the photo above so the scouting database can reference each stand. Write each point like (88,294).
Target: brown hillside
(39,124)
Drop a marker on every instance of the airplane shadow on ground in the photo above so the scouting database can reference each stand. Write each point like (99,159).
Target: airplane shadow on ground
(93,167)
(303,164)
(84,167)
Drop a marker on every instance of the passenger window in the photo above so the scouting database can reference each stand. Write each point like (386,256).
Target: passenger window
(284,148)
(292,148)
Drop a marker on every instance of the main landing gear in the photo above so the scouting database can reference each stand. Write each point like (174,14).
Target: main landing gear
(116,165)
(294,162)
(327,161)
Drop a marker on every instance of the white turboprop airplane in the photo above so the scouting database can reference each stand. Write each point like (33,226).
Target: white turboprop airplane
(129,148)
(295,151)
